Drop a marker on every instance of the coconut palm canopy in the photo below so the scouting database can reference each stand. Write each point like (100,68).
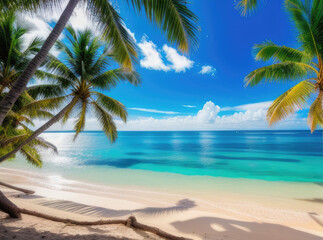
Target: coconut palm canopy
(15,129)
(85,70)
(172,16)
(82,72)
(178,85)
(303,66)
(15,53)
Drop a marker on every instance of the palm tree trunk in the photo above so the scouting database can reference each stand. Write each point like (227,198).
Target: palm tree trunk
(21,83)
(40,130)
(8,207)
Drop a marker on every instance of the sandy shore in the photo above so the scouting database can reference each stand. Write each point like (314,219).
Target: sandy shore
(218,213)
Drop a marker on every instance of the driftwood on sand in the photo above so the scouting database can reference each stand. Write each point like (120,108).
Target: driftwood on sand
(14,211)
(17,188)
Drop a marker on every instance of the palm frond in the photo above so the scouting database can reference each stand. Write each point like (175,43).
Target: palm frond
(28,5)
(106,121)
(247,6)
(40,142)
(13,139)
(58,68)
(36,114)
(112,105)
(31,155)
(268,50)
(69,111)
(80,122)
(174,17)
(111,78)
(114,31)
(315,114)
(279,72)
(308,19)
(33,46)
(44,104)
(45,91)
(290,101)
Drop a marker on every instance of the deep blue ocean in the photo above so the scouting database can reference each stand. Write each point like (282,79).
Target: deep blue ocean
(268,155)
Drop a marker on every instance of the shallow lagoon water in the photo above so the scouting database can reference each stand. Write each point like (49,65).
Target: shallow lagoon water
(267,155)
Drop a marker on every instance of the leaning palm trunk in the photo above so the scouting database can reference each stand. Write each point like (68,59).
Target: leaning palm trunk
(8,207)
(40,130)
(21,83)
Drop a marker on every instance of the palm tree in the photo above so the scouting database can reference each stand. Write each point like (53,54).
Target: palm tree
(83,69)
(15,130)
(303,65)
(15,53)
(14,56)
(172,16)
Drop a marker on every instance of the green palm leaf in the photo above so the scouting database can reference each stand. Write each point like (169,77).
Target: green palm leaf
(247,6)
(174,18)
(315,115)
(114,31)
(279,72)
(111,78)
(80,122)
(40,142)
(106,121)
(45,91)
(308,19)
(45,104)
(290,101)
(31,155)
(268,50)
(112,105)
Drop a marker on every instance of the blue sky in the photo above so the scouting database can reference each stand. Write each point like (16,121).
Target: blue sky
(176,94)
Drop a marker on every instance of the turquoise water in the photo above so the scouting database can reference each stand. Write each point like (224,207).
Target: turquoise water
(268,155)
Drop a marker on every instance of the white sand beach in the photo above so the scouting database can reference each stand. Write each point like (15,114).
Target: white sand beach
(230,209)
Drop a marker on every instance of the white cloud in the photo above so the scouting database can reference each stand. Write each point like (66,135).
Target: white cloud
(152,58)
(206,119)
(207,69)
(41,19)
(208,114)
(152,110)
(132,34)
(250,106)
(189,106)
(179,62)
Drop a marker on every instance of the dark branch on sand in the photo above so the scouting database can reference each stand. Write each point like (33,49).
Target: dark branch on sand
(17,188)
(14,211)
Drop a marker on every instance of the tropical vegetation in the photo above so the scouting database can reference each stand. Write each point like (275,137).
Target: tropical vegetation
(172,16)
(82,72)
(15,53)
(304,65)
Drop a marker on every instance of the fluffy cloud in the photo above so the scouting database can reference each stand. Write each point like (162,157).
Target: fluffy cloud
(41,19)
(207,69)
(209,113)
(153,59)
(251,106)
(179,62)
(206,119)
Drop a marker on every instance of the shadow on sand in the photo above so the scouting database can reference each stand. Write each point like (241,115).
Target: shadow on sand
(31,233)
(220,228)
(88,210)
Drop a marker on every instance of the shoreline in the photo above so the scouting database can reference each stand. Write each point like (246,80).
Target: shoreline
(199,214)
